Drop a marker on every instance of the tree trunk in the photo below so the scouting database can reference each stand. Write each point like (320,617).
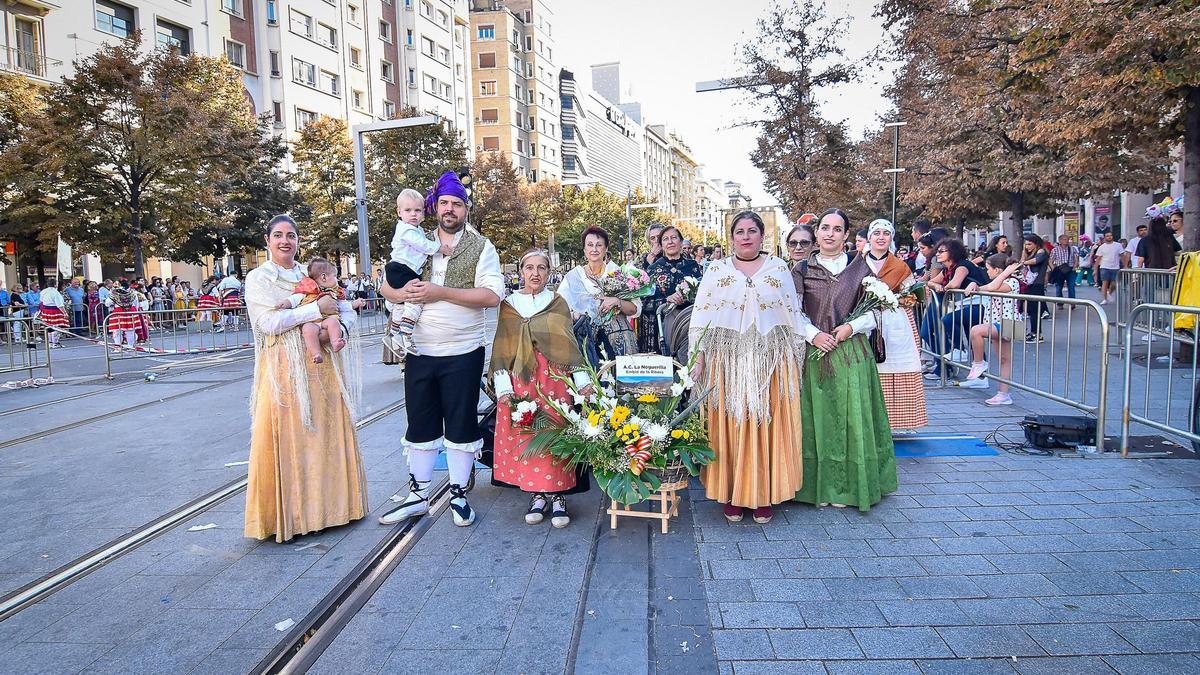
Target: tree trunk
(960,228)
(1016,228)
(139,258)
(1191,171)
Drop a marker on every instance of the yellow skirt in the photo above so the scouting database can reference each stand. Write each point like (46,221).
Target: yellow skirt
(757,464)
(301,480)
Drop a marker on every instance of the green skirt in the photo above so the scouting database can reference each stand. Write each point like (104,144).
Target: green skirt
(847,453)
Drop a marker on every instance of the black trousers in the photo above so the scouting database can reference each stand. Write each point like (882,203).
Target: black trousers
(442,395)
(399,274)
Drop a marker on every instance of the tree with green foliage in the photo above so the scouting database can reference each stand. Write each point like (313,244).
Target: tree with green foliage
(324,174)
(27,217)
(135,146)
(498,210)
(409,157)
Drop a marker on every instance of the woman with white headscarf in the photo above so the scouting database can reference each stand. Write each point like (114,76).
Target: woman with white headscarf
(900,371)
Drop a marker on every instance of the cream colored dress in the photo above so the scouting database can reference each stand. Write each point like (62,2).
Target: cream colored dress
(306,473)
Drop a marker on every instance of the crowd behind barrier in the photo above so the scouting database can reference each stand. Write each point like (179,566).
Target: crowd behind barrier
(1167,403)
(24,347)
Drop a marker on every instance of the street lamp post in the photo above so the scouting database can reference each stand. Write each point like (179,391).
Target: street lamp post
(629,209)
(360,181)
(895,170)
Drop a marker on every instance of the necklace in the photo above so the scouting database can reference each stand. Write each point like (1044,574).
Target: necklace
(874,257)
(756,257)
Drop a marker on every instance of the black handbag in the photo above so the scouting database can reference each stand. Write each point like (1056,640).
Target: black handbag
(878,346)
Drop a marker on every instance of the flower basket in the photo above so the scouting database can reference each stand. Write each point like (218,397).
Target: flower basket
(673,476)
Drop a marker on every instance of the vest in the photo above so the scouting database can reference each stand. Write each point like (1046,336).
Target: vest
(460,268)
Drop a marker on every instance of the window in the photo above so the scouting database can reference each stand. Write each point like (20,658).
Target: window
(458,71)
(277,112)
(236,53)
(529,43)
(489,115)
(528,16)
(487,59)
(304,118)
(443,19)
(233,7)
(516,38)
(430,84)
(443,55)
(357,98)
(528,70)
(302,24)
(353,14)
(447,92)
(412,77)
(275,64)
(330,83)
(568,133)
(519,119)
(549,53)
(521,145)
(427,47)
(385,31)
(273,18)
(567,103)
(114,19)
(327,36)
(517,91)
(532,123)
(304,72)
(169,35)
(491,143)
(487,88)
(568,162)
(385,71)
(486,31)
(408,37)
(389,109)
(532,150)
(529,99)
(356,57)
(426,9)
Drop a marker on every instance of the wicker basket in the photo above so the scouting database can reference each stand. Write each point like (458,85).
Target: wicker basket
(673,476)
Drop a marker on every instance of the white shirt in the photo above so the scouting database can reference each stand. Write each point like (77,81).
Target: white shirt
(262,294)
(862,324)
(527,305)
(447,329)
(583,294)
(51,298)
(1131,249)
(411,247)
(1110,255)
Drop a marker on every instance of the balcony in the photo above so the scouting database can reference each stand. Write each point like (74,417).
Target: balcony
(27,63)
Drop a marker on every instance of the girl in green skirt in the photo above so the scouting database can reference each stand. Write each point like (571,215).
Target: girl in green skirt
(847,451)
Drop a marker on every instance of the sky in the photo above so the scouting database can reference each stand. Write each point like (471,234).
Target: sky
(666,46)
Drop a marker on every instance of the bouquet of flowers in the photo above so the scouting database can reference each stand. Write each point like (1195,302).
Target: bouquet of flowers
(625,283)
(628,439)
(687,288)
(524,411)
(877,296)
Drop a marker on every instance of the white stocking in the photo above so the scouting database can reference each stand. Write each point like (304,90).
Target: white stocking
(421,463)
(459,463)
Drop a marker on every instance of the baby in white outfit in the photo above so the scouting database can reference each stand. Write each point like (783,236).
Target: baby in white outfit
(411,249)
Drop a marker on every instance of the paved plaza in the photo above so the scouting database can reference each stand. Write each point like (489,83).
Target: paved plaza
(1010,563)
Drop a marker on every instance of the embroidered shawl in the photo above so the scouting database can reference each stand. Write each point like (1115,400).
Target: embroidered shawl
(460,268)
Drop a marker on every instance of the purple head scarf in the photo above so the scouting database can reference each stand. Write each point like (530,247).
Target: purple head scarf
(447,186)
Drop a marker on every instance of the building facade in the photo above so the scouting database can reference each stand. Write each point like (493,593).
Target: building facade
(683,179)
(515,84)
(656,163)
(600,143)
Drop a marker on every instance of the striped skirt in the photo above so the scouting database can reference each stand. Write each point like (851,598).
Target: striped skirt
(232,301)
(208,302)
(124,318)
(54,317)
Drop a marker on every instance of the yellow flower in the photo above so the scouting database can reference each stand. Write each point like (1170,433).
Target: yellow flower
(677,434)
(594,418)
(619,415)
(647,398)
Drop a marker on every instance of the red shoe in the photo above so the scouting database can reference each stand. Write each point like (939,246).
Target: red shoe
(733,513)
(763,514)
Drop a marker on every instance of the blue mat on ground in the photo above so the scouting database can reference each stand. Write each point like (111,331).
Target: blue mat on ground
(441,463)
(942,445)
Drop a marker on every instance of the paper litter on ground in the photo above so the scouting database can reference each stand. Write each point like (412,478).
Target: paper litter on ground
(197,528)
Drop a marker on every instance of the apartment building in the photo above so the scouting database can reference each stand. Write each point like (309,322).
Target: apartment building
(515,84)
(600,143)
(656,163)
(357,60)
(683,179)
(710,207)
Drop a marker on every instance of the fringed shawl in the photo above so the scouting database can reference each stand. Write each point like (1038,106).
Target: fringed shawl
(894,271)
(264,289)
(550,332)
(751,328)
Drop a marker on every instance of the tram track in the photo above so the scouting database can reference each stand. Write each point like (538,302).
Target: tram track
(62,577)
(308,639)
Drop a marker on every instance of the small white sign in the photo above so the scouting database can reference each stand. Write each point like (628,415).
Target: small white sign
(645,369)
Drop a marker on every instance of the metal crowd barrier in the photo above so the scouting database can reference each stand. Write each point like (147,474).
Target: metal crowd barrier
(373,317)
(24,347)
(1074,337)
(178,331)
(1160,408)
(1137,287)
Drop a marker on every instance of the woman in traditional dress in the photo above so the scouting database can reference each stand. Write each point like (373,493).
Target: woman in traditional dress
(666,273)
(124,320)
(900,373)
(95,308)
(534,342)
(848,455)
(581,289)
(208,302)
(306,473)
(52,314)
(745,329)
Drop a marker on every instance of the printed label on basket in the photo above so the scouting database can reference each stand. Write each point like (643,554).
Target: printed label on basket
(646,370)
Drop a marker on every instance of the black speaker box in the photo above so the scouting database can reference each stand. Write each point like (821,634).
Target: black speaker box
(1059,431)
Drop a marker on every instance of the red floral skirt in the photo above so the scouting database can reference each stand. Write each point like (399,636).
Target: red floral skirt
(124,318)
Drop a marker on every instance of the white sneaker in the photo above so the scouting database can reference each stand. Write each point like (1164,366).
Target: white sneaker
(959,356)
(977,369)
(1148,338)
(977,383)
(1000,399)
